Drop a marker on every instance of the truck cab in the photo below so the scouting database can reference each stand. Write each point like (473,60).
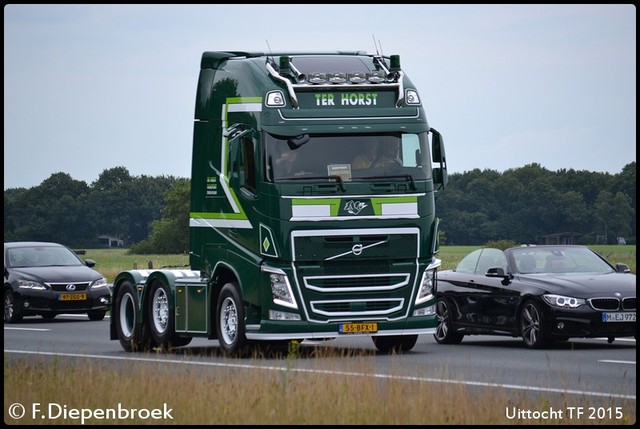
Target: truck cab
(313,189)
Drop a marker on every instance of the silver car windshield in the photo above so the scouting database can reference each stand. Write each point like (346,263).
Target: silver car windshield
(42,256)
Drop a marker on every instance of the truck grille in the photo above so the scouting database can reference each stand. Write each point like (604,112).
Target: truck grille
(357,275)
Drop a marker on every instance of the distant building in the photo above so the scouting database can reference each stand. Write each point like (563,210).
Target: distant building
(110,241)
(562,238)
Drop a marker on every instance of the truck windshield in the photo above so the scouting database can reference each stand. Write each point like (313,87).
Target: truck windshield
(354,157)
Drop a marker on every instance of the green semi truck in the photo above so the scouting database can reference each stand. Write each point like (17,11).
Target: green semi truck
(313,187)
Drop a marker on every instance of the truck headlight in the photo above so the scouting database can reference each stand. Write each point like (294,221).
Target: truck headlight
(425,293)
(281,288)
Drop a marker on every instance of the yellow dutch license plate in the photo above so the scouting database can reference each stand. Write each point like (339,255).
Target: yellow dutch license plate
(358,328)
(73,297)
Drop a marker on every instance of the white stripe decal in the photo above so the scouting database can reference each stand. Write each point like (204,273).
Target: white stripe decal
(310,210)
(245,107)
(399,209)
(219,223)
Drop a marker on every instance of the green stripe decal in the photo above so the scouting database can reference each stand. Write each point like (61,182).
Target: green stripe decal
(379,201)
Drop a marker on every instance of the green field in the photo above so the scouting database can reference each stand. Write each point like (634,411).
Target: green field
(111,261)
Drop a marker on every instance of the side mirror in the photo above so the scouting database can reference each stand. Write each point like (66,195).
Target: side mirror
(440,176)
(296,142)
(495,272)
(498,272)
(622,268)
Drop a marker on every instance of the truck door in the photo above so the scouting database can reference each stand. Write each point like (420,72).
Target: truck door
(242,174)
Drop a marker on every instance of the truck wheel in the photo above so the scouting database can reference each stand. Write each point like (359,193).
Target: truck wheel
(125,316)
(394,343)
(230,321)
(161,317)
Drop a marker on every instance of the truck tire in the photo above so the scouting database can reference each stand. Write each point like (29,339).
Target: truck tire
(394,343)
(160,316)
(230,321)
(125,315)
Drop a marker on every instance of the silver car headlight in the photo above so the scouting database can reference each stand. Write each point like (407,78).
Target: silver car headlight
(33,285)
(99,284)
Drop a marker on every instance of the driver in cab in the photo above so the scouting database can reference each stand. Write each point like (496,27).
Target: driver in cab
(388,156)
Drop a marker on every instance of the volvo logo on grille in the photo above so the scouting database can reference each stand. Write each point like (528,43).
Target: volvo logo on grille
(356,250)
(71,287)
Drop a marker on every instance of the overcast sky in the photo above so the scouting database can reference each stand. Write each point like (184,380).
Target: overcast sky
(93,87)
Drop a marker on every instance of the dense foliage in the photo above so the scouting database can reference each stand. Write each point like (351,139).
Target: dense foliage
(528,203)
(151,214)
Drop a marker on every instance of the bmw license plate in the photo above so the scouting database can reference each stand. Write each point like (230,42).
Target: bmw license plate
(73,297)
(619,317)
(358,328)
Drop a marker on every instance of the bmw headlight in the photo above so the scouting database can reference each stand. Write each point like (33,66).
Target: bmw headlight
(563,301)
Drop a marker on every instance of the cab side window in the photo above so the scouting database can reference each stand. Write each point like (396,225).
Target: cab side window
(247,164)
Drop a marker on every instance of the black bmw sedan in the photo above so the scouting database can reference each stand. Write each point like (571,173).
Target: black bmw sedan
(539,293)
(48,279)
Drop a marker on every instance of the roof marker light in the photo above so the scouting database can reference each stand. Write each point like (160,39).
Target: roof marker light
(338,77)
(318,78)
(376,77)
(357,77)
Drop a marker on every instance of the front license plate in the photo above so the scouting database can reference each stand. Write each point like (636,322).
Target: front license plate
(73,297)
(357,328)
(619,317)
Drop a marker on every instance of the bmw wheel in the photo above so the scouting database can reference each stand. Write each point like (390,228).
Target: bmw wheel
(445,334)
(532,326)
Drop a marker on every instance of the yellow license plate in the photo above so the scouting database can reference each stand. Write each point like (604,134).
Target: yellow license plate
(357,328)
(73,297)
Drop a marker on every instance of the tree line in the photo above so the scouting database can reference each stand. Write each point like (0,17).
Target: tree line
(151,214)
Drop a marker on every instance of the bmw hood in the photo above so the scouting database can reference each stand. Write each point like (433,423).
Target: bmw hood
(583,285)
